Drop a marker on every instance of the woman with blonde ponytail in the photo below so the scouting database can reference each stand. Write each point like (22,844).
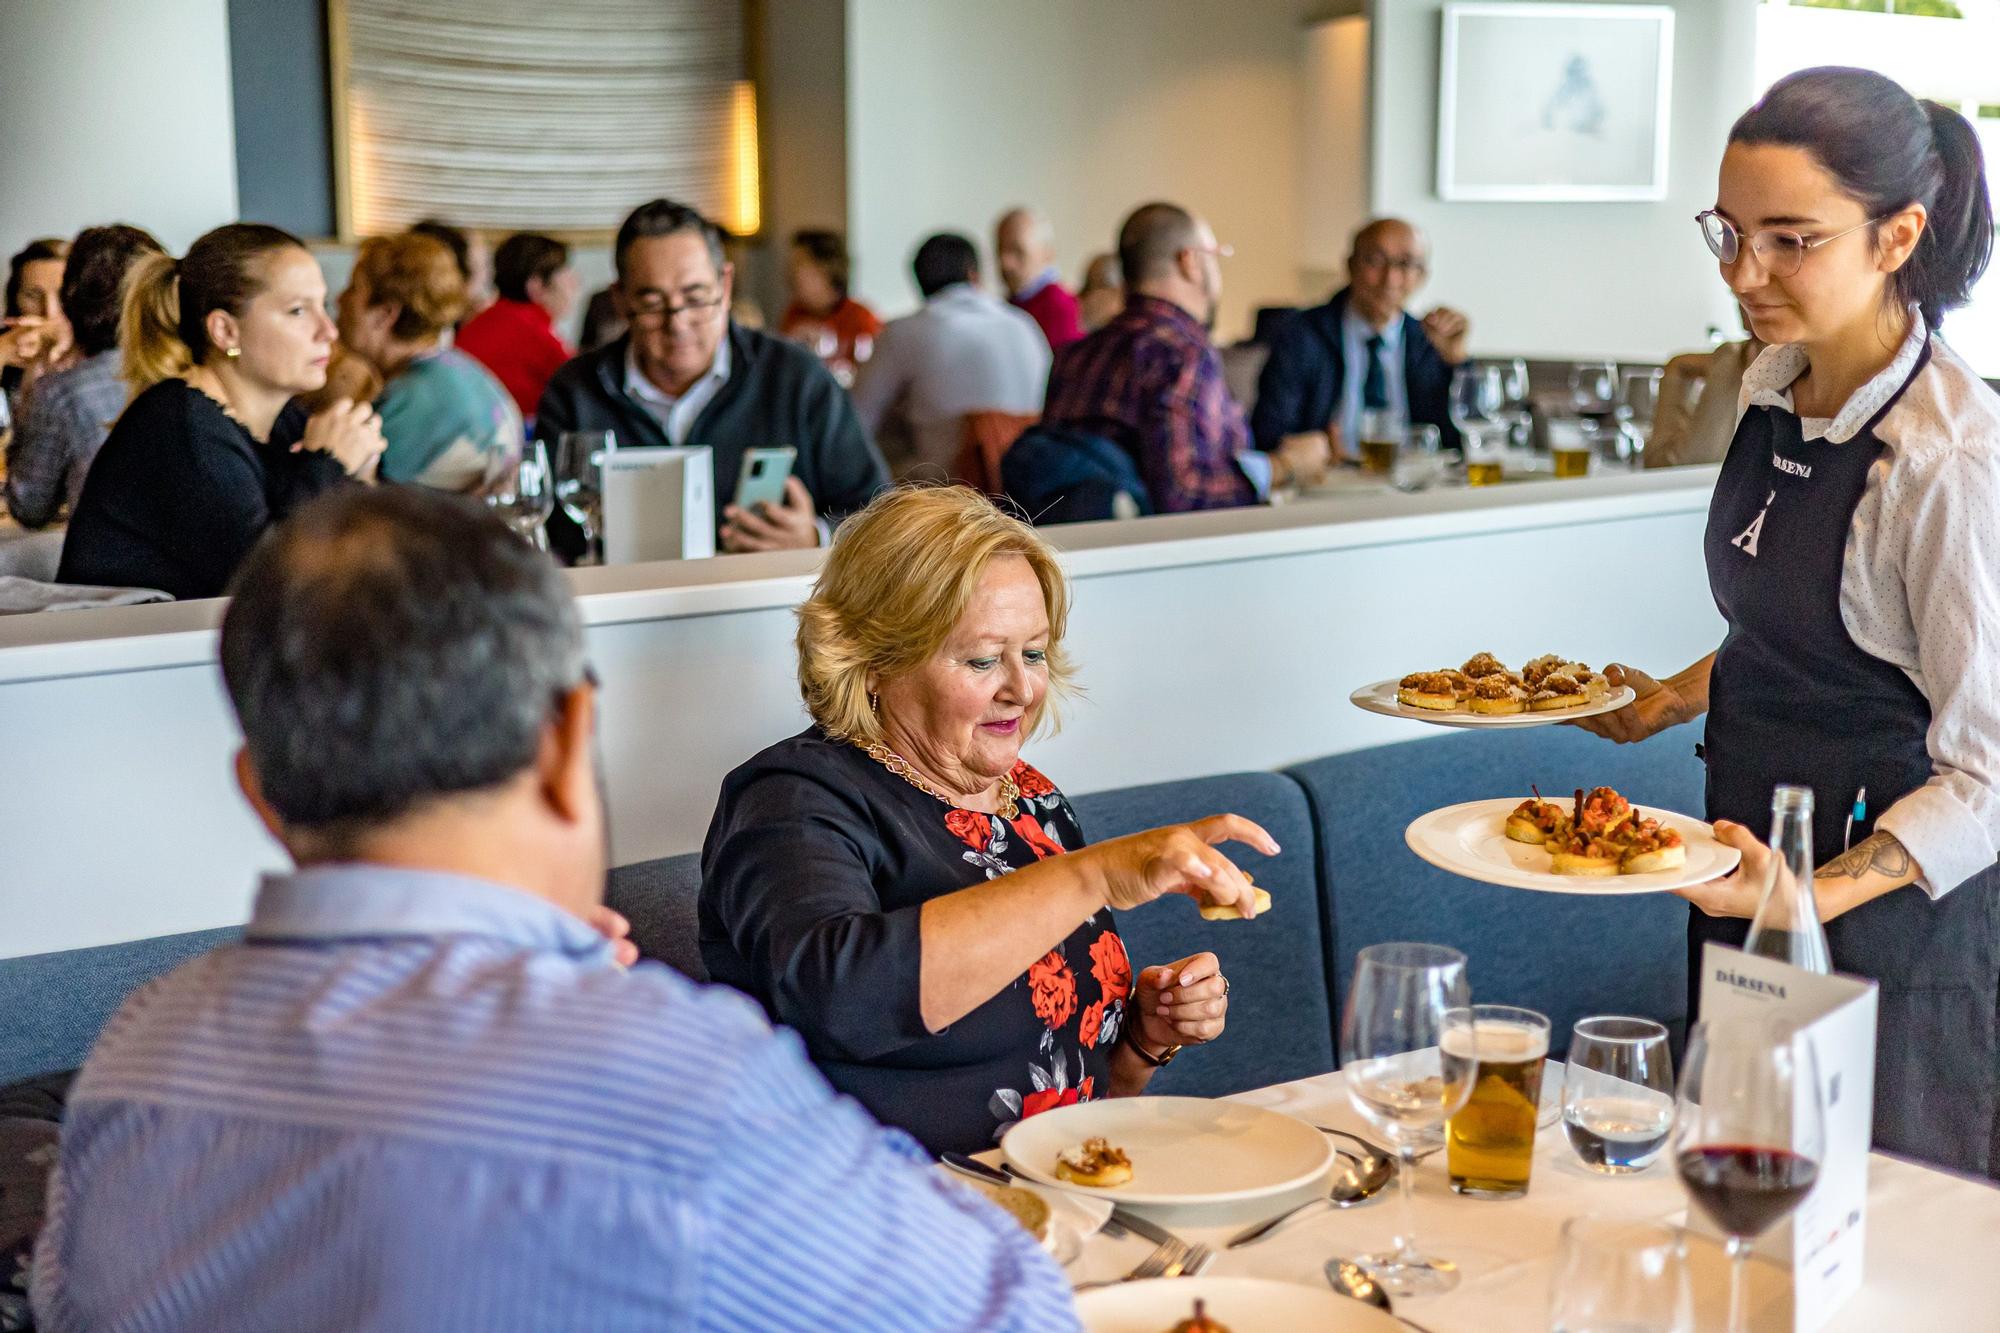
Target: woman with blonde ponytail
(212,449)
(1850,548)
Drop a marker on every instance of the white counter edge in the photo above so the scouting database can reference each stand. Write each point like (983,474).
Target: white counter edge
(58,645)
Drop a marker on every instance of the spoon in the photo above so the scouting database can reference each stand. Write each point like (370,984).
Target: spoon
(1351,1279)
(1359,1179)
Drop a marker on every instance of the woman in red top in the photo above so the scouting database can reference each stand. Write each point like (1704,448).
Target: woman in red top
(822,317)
(515,337)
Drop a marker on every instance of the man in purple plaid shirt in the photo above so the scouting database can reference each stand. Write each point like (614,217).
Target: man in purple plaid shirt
(1151,382)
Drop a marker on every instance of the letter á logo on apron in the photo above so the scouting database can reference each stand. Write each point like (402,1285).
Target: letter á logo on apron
(1747,539)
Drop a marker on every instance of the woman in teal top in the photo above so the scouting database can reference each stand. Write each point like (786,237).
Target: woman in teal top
(448,423)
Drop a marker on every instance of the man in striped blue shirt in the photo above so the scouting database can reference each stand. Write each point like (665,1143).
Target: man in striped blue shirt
(423,1093)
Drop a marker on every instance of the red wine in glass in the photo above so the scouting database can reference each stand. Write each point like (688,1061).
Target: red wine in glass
(1746,1191)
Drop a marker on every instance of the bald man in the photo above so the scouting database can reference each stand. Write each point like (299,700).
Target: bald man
(1150,381)
(1025,245)
(1362,350)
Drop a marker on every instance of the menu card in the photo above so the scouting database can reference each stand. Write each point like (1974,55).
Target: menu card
(659,504)
(1821,1244)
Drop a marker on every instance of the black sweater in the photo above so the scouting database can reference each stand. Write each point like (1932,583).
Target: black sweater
(777,395)
(181,492)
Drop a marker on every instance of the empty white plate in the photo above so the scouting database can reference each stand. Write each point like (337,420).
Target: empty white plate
(1471,840)
(1184,1150)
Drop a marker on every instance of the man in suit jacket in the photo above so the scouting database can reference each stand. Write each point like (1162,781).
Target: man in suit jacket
(1362,350)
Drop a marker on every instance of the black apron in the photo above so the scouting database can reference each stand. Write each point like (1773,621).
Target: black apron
(1794,700)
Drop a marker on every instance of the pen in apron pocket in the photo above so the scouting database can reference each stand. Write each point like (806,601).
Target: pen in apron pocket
(1859,812)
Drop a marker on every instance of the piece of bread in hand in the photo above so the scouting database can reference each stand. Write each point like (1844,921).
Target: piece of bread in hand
(1230,912)
(1094,1162)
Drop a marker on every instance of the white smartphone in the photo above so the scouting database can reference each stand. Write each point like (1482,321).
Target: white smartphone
(761,479)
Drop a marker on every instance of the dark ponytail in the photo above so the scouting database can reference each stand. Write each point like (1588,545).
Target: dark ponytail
(1887,150)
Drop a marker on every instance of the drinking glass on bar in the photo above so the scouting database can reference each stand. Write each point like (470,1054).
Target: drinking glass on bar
(1593,388)
(1490,1143)
(1631,1276)
(524,496)
(1381,430)
(1418,465)
(1638,404)
(1404,1079)
(1618,1093)
(579,483)
(1749,1133)
(1478,404)
(1516,410)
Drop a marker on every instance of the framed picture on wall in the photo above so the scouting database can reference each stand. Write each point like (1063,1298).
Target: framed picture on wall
(1555,102)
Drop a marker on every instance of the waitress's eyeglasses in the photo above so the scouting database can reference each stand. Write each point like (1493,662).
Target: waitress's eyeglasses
(1781,252)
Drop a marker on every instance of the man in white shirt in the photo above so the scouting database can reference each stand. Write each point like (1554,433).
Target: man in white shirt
(965,351)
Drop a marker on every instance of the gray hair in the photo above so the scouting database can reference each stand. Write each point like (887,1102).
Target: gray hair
(391,647)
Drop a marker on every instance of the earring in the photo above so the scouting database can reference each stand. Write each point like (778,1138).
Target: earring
(874,702)
(232,352)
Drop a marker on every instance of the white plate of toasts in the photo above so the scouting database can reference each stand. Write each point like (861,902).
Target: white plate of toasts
(1472,840)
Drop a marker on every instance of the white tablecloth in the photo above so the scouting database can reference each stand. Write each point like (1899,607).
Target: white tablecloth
(1933,1240)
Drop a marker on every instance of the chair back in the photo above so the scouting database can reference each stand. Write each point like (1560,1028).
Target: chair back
(1057,474)
(985,440)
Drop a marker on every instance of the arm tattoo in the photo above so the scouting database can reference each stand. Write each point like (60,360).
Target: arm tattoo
(1878,853)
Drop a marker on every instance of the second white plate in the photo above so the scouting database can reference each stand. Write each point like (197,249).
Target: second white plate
(1242,1303)
(1381,698)
(1184,1150)
(1471,840)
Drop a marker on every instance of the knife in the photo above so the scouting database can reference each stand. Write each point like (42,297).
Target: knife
(993,1175)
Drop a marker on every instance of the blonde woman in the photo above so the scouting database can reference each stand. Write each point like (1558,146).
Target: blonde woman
(901,887)
(211,450)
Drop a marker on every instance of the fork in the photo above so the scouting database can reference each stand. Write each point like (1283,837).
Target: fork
(1170,1258)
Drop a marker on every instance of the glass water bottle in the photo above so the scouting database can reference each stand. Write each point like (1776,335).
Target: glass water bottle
(1787,925)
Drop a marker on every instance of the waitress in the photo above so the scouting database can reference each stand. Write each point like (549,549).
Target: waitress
(1853,548)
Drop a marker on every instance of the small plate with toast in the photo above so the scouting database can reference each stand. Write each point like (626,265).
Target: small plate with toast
(1485,692)
(1168,1151)
(1595,843)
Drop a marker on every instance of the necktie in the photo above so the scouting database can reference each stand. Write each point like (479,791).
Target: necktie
(1375,383)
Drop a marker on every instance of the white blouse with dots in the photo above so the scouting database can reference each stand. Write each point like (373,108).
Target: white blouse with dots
(1920,586)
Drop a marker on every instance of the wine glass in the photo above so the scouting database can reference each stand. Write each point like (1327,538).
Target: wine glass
(1406,1048)
(579,482)
(1618,1093)
(1616,1274)
(1478,401)
(1750,1132)
(1516,409)
(1638,403)
(525,495)
(1593,388)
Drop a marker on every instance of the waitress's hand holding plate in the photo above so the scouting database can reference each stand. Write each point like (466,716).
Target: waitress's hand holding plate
(1740,892)
(1654,707)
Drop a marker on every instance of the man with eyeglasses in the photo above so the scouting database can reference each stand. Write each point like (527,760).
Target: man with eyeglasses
(687,374)
(431,1088)
(1362,351)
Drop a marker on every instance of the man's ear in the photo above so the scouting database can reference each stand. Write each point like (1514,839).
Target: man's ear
(252,788)
(569,767)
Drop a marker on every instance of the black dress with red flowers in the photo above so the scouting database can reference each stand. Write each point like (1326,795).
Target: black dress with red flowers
(814,875)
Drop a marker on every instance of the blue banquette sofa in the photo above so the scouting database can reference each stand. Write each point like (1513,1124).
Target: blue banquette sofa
(1344,880)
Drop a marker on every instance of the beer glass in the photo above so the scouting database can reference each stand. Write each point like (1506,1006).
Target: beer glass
(1490,1142)
(1381,430)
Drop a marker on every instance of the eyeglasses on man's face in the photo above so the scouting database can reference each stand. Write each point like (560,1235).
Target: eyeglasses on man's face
(654,309)
(1373,261)
(1780,251)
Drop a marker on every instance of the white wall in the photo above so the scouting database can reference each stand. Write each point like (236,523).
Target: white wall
(122,820)
(115,111)
(958,109)
(1630,280)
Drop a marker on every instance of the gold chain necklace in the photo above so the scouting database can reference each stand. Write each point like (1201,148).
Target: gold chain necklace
(1010,791)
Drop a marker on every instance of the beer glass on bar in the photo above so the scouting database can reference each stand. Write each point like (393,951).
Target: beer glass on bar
(1490,1142)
